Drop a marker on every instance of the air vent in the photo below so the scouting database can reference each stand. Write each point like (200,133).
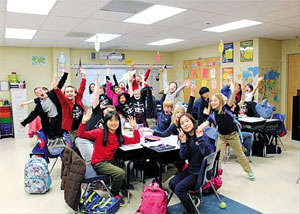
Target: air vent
(79,34)
(126,6)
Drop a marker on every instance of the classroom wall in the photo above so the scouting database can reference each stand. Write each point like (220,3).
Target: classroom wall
(288,47)
(270,67)
(178,57)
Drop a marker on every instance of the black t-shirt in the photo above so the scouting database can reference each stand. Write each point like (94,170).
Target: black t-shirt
(125,109)
(139,110)
(104,100)
(250,109)
(225,122)
(77,116)
(96,120)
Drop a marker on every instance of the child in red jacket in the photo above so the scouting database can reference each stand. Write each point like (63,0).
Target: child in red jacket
(107,141)
(72,106)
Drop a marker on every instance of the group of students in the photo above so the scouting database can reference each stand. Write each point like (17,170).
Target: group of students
(98,134)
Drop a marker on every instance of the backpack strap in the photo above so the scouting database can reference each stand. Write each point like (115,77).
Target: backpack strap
(237,123)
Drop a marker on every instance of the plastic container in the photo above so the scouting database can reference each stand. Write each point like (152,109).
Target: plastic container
(13,78)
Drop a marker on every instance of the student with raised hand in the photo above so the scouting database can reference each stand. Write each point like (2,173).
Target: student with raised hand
(107,141)
(171,90)
(227,129)
(250,91)
(72,106)
(194,146)
(138,80)
(177,113)
(49,109)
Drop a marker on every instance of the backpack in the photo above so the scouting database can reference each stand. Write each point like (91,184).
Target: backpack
(36,175)
(91,202)
(154,200)
(216,182)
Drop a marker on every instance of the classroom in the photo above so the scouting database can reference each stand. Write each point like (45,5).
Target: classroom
(120,100)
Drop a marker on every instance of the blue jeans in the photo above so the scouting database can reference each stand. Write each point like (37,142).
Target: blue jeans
(248,139)
(263,109)
(180,185)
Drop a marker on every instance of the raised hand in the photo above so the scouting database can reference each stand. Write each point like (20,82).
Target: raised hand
(243,86)
(181,135)
(54,81)
(132,122)
(193,87)
(260,78)
(86,117)
(199,132)
(236,88)
(83,73)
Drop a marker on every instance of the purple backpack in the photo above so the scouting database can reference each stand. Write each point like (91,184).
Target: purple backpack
(154,200)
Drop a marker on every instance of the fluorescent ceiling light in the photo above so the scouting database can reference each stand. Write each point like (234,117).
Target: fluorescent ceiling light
(16,33)
(154,14)
(102,37)
(233,26)
(165,41)
(39,7)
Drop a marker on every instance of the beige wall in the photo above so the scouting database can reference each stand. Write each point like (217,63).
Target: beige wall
(288,47)
(270,58)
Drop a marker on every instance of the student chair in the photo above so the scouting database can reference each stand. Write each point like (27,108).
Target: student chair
(279,132)
(92,177)
(208,171)
(54,152)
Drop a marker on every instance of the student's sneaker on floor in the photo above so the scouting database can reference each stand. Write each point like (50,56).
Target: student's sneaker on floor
(122,202)
(251,176)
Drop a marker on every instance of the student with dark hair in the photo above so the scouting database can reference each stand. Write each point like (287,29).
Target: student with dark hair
(49,109)
(107,141)
(91,88)
(125,106)
(200,104)
(194,146)
(250,90)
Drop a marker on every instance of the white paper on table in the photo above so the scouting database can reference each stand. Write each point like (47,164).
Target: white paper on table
(251,119)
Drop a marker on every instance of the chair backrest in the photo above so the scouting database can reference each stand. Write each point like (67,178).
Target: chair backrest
(281,130)
(279,116)
(208,169)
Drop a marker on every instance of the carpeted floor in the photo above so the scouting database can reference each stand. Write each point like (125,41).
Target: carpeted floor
(210,205)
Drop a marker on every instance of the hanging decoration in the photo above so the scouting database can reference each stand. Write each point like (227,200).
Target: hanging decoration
(157,57)
(221,47)
(97,44)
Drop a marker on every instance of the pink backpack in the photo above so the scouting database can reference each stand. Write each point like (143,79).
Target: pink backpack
(154,200)
(216,182)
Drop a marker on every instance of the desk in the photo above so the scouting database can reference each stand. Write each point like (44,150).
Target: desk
(163,156)
(262,126)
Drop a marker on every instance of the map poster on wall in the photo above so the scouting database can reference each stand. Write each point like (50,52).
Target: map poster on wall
(227,75)
(38,60)
(246,51)
(227,55)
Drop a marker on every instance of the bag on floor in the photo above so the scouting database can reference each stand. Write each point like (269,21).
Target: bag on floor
(216,182)
(154,200)
(91,202)
(37,176)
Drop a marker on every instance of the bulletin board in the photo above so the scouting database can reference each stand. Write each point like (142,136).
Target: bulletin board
(204,72)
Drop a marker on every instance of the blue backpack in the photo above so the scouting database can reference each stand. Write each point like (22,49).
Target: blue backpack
(37,176)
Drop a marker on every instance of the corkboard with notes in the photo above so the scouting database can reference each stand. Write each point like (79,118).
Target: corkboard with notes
(203,72)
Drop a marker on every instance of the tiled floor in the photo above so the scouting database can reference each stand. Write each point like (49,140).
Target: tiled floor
(274,191)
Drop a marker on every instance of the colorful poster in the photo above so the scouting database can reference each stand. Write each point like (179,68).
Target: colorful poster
(227,75)
(205,73)
(186,73)
(214,84)
(213,73)
(38,60)
(246,51)
(227,55)
(194,73)
(204,83)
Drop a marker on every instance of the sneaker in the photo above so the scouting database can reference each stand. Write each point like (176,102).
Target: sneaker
(196,202)
(122,202)
(251,176)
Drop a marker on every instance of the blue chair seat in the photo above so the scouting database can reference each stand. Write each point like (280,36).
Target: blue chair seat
(91,175)
(55,151)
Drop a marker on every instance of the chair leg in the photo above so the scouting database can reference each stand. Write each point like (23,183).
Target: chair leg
(281,143)
(107,189)
(217,195)
(201,196)
(297,182)
(53,165)
(193,203)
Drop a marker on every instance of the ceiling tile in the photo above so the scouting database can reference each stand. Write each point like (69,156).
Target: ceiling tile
(2,20)
(60,23)
(17,42)
(2,5)
(25,21)
(42,43)
(110,16)
(46,34)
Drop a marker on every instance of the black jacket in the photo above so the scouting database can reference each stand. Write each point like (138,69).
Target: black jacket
(38,110)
